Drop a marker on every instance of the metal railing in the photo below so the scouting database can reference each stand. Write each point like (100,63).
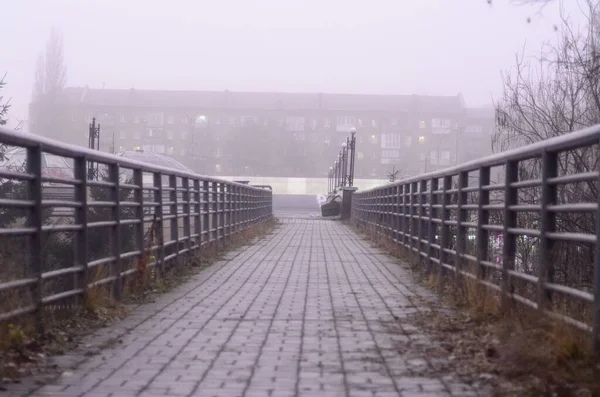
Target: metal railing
(341,174)
(155,218)
(523,223)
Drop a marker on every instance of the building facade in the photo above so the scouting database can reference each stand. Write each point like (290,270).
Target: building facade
(272,134)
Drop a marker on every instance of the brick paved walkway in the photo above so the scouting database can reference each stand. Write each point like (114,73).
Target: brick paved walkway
(312,310)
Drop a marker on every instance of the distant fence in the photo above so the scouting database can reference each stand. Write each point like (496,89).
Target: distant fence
(114,223)
(524,223)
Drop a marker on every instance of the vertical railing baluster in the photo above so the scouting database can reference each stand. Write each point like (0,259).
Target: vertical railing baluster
(206,212)
(197,214)
(222,210)
(445,228)
(81,220)
(510,221)
(547,225)
(174,212)
(433,200)
(159,214)
(187,227)
(483,219)
(35,221)
(422,210)
(596,304)
(461,229)
(215,211)
(115,198)
(138,197)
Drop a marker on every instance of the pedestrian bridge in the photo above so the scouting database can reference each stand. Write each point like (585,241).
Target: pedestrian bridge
(313,309)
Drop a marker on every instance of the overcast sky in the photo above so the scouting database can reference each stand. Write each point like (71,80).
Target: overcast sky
(346,46)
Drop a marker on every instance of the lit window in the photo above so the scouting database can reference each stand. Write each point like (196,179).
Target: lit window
(373,138)
(218,167)
(421,139)
(360,155)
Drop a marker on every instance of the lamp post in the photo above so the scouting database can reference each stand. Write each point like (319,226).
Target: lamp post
(344,162)
(352,150)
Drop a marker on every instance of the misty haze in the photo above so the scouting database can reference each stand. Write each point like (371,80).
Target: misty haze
(299,198)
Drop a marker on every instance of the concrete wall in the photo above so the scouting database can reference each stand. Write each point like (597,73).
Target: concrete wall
(301,186)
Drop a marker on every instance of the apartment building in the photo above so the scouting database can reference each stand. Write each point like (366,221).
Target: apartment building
(269,134)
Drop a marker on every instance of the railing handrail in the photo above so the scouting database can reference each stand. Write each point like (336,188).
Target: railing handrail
(567,141)
(24,139)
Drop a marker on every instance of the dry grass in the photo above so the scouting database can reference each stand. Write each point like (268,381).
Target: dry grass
(23,351)
(522,351)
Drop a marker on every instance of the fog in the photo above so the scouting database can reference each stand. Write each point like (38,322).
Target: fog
(434,47)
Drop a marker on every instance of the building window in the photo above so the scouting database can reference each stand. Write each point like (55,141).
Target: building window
(394,122)
(345,123)
(170,120)
(313,137)
(184,135)
(444,157)
(231,120)
(218,152)
(136,135)
(121,149)
(421,124)
(394,154)
(136,119)
(373,123)
(294,123)
(122,119)
(314,124)
(170,135)
(441,126)
(391,141)
(374,139)
(327,139)
(170,150)
(218,167)
(360,155)
(184,120)
(217,120)
(433,157)
(421,139)
(327,123)
(408,141)
(122,134)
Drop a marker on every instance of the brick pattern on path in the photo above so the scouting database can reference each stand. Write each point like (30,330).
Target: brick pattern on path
(312,310)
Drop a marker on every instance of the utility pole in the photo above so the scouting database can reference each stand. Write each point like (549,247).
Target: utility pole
(94,144)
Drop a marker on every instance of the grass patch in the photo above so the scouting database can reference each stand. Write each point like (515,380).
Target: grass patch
(24,351)
(511,349)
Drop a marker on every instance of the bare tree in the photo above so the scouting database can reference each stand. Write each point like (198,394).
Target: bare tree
(4,104)
(545,97)
(51,71)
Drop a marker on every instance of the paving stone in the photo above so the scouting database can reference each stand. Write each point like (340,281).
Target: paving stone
(310,311)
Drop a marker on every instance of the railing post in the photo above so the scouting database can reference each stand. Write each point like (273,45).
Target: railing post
(174,212)
(596,304)
(445,229)
(406,215)
(197,214)
(222,209)
(81,220)
(422,209)
(138,196)
(159,219)
(186,198)
(215,211)
(547,225)
(510,222)
(483,218)
(396,211)
(433,200)
(414,192)
(205,212)
(35,221)
(461,229)
(114,177)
